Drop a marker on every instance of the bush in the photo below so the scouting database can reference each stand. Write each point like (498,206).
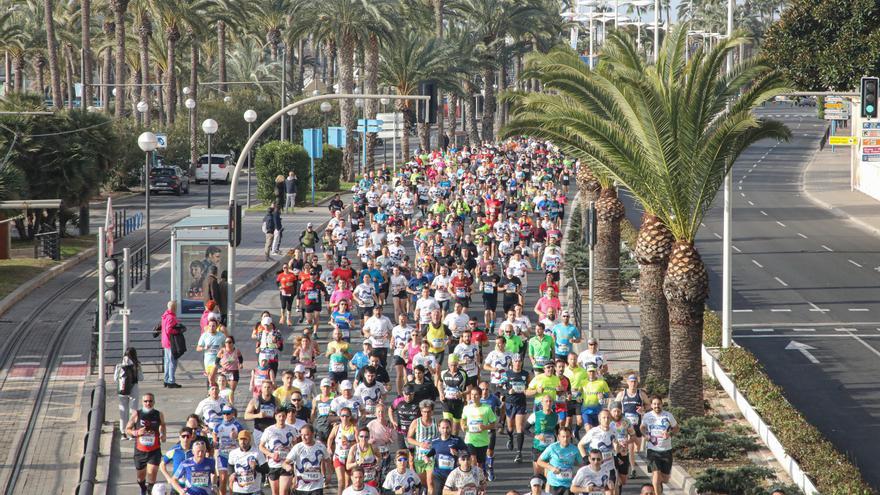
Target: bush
(708,437)
(328,169)
(746,480)
(277,158)
(711,329)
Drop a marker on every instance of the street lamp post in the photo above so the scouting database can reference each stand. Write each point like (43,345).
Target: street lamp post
(142,108)
(209,127)
(384,102)
(656,30)
(249,116)
(148,144)
(290,114)
(190,105)
(726,254)
(325,109)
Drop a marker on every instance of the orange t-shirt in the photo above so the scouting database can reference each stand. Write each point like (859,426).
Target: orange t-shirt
(286,282)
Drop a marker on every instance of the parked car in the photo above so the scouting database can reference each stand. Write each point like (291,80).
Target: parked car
(221,168)
(169,178)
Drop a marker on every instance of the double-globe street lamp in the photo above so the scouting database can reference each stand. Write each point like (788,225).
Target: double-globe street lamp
(249,116)
(148,143)
(209,127)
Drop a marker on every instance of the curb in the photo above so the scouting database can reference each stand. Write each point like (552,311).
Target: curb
(26,288)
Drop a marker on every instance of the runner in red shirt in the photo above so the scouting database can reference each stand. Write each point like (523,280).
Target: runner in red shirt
(286,284)
(461,287)
(313,291)
(344,272)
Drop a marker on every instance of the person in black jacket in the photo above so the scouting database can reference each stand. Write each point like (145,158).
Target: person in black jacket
(290,187)
(211,286)
(269,230)
(280,193)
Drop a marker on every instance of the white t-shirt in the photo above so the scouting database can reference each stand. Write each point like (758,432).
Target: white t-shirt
(401,335)
(456,322)
(603,441)
(425,306)
(408,480)
(398,284)
(658,426)
(365,292)
(468,355)
(246,479)
(279,440)
(587,357)
(209,409)
(380,331)
(586,477)
(367,490)
(307,460)
(501,361)
(440,285)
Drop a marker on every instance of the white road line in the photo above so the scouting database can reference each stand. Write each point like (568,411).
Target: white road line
(858,310)
(855,263)
(763,213)
(802,236)
(762,330)
(826,248)
(789,324)
(780,223)
(742,194)
(781,281)
(72,363)
(26,363)
(875,351)
(702,224)
(780,310)
(757,264)
(716,234)
(846,329)
(804,329)
(751,204)
(740,188)
(735,248)
(750,310)
(820,310)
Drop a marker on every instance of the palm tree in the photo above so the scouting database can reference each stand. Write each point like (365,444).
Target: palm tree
(145,32)
(86,34)
(52,44)
(119,9)
(669,133)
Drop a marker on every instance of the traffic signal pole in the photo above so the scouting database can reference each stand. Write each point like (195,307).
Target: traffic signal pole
(101,303)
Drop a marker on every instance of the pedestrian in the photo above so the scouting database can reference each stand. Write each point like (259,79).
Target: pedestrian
(127,375)
(290,187)
(211,285)
(280,192)
(268,228)
(276,241)
(147,426)
(223,297)
(169,328)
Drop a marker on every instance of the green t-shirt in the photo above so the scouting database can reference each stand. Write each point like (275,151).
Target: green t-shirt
(474,416)
(578,377)
(541,350)
(545,429)
(592,392)
(513,343)
(549,384)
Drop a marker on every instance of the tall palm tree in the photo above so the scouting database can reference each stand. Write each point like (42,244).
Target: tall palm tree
(86,34)
(11,40)
(669,133)
(119,9)
(52,44)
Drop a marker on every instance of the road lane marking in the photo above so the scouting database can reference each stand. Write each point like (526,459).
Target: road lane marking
(702,224)
(735,248)
(803,349)
(789,324)
(855,263)
(875,351)
(716,234)
(742,194)
(801,336)
(813,307)
(762,330)
(751,203)
(804,329)
(780,310)
(858,310)
(763,213)
(781,281)
(749,311)
(780,223)
(826,248)
(846,329)
(802,236)
(757,264)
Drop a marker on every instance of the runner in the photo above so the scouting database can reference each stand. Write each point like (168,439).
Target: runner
(421,432)
(342,437)
(244,464)
(594,477)
(626,436)
(287,282)
(477,421)
(452,384)
(225,437)
(466,479)
(147,427)
(559,460)
(633,399)
(402,480)
(309,460)
(488,398)
(659,426)
(275,443)
(595,392)
(444,450)
(195,476)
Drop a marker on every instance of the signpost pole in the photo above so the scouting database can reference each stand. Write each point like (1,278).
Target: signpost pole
(126,279)
(833,130)
(312,174)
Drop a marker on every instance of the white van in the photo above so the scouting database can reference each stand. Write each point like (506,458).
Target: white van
(221,168)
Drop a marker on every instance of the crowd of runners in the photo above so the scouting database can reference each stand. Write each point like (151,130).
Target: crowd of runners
(404,354)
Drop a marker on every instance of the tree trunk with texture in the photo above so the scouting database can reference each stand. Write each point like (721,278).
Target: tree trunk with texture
(686,287)
(85,30)
(424,132)
(52,44)
(172,36)
(71,88)
(470,107)
(346,107)
(372,87)
(331,65)
(40,66)
(160,114)
(652,252)
(404,130)
(300,76)
(441,109)
(145,30)
(221,55)
(488,124)
(106,70)
(18,67)
(453,121)
(119,8)
(609,212)
(194,94)
(501,114)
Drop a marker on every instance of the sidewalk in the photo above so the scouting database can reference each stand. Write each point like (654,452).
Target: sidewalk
(827,182)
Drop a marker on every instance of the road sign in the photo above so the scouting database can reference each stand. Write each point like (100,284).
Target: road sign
(843,140)
(871,142)
(834,105)
(875,134)
(336,137)
(871,158)
(871,150)
(370,122)
(312,143)
(125,312)
(833,99)
(161,140)
(803,349)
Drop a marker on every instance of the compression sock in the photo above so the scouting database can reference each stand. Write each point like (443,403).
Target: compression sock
(143,485)
(518,442)
(150,488)
(490,462)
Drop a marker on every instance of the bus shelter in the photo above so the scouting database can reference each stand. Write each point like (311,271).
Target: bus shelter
(199,242)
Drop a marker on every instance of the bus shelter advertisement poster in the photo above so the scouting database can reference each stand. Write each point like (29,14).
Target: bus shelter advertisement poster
(196,261)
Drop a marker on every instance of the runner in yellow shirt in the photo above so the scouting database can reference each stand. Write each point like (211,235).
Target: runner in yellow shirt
(596,391)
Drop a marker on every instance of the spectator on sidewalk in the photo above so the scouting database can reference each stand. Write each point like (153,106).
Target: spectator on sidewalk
(276,241)
(290,188)
(223,296)
(169,328)
(280,192)
(211,285)
(268,228)
(127,375)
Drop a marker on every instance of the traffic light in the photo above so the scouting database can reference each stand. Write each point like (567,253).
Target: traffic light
(234,224)
(870,91)
(111,282)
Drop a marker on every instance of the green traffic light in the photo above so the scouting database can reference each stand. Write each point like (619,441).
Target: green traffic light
(869,108)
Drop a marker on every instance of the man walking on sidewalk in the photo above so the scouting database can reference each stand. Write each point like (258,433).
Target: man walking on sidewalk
(269,229)
(290,189)
(169,328)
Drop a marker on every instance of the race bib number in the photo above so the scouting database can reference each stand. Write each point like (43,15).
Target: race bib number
(200,479)
(470,490)
(451,393)
(268,410)
(564,474)
(370,409)
(310,476)
(562,348)
(540,361)
(633,418)
(438,343)
(245,477)
(488,287)
(518,388)
(445,462)
(475,425)
(323,408)
(313,295)
(548,438)
(606,455)
(147,440)
(460,292)
(337,367)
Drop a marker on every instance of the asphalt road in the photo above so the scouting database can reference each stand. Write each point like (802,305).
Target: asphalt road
(802,277)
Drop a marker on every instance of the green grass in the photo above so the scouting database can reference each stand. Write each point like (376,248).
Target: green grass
(15,272)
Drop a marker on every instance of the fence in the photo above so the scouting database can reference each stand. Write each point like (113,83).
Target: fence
(125,224)
(48,244)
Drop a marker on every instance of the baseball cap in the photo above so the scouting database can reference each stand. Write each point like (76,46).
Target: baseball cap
(409,389)
(592,367)
(245,434)
(565,313)
(227,410)
(326,382)
(299,369)
(345,385)
(266,320)
(309,224)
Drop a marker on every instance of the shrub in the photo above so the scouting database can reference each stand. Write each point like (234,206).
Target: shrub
(746,480)
(708,437)
(711,329)
(277,158)
(328,169)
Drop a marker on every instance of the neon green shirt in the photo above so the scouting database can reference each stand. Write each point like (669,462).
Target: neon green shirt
(548,384)
(541,350)
(578,377)
(593,391)
(474,417)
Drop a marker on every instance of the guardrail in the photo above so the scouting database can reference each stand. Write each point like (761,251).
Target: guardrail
(48,244)
(88,466)
(126,224)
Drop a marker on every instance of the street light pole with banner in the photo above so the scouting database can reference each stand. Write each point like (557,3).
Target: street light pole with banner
(109,228)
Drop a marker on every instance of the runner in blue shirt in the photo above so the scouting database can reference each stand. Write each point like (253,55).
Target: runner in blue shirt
(177,454)
(491,400)
(444,450)
(560,459)
(565,335)
(195,476)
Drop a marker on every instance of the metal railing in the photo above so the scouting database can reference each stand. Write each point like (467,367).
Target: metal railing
(138,270)
(48,244)
(126,224)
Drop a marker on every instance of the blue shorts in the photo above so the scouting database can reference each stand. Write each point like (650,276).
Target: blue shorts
(590,416)
(222,462)
(513,409)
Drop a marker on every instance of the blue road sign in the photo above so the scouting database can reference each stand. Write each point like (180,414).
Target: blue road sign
(312,142)
(336,137)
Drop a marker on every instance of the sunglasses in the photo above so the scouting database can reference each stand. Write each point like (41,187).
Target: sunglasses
(595,458)
(402,459)
(344,415)
(184,436)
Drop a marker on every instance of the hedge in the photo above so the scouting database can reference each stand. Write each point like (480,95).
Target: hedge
(328,169)
(278,158)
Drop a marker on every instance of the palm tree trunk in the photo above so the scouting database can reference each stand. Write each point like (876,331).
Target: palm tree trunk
(404,131)
(221,55)
(18,67)
(134,94)
(105,79)
(160,114)
(40,66)
(172,35)
(300,66)
(371,74)
(686,287)
(453,121)
(119,8)
(609,212)
(441,109)
(145,30)
(331,65)
(71,89)
(85,29)
(423,129)
(346,107)
(652,252)
(502,85)
(52,43)
(488,125)
(194,94)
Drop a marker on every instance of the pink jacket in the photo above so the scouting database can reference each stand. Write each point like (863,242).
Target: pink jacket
(169,320)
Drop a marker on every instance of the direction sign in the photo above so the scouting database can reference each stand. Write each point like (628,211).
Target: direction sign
(803,349)
(845,141)
(871,150)
(871,142)
(834,105)
(161,140)
(833,99)
(875,134)
(871,158)
(370,122)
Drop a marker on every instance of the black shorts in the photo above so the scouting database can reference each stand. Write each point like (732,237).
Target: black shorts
(479,453)
(276,473)
(286,302)
(660,461)
(141,458)
(621,464)
(453,407)
(560,490)
(319,491)
(338,376)
(313,307)
(401,295)
(573,408)
(511,409)
(365,311)
(490,302)
(509,303)
(399,361)
(472,381)
(464,301)
(232,376)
